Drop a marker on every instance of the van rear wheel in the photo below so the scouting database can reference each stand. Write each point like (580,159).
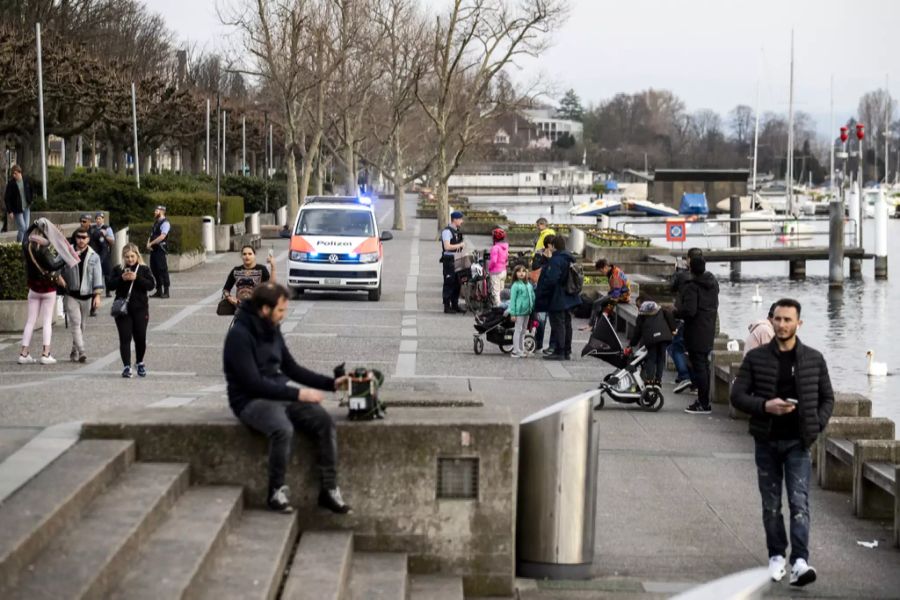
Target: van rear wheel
(375,295)
(298,292)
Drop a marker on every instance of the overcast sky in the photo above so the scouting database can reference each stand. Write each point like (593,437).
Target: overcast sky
(711,53)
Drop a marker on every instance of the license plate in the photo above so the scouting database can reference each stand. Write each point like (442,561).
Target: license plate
(330,281)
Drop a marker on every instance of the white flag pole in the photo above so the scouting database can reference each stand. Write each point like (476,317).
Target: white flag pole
(40,74)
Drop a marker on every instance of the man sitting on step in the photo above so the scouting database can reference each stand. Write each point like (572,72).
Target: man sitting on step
(261,376)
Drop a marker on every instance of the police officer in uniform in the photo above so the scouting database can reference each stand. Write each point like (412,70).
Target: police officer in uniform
(158,247)
(451,244)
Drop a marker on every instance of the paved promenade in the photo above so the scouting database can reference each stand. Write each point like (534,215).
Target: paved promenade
(678,502)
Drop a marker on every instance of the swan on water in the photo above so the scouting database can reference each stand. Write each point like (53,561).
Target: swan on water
(876,369)
(757,297)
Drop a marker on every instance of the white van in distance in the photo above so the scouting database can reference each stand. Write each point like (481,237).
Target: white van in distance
(336,246)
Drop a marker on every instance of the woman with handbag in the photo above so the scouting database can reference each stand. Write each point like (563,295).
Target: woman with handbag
(131,281)
(244,279)
(46,252)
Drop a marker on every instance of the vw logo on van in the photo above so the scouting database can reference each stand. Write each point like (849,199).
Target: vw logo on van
(333,258)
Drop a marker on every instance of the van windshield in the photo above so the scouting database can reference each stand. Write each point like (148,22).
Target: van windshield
(330,221)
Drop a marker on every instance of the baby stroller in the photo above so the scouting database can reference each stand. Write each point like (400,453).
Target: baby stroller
(624,385)
(496,328)
(475,284)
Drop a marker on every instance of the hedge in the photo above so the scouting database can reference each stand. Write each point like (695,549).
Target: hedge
(253,191)
(13,284)
(200,204)
(88,192)
(185,235)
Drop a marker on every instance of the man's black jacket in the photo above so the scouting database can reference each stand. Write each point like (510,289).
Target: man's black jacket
(258,364)
(698,304)
(757,380)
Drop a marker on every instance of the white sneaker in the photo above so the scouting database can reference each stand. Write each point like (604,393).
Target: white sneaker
(801,573)
(47,360)
(777,566)
(515,354)
(26,360)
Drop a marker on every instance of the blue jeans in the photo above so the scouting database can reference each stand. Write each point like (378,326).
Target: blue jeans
(539,331)
(22,221)
(788,461)
(679,355)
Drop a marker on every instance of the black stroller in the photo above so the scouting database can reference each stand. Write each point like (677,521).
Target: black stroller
(497,329)
(624,385)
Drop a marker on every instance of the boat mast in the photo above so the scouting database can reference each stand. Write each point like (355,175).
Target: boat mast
(790,152)
(755,151)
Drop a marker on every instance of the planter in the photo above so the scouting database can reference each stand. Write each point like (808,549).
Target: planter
(181,262)
(14,313)
(223,238)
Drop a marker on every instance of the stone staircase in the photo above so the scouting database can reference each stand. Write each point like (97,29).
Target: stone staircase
(97,524)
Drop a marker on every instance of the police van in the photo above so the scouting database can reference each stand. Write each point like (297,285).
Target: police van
(336,246)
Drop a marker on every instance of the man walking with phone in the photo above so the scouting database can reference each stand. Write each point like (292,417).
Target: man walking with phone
(785,388)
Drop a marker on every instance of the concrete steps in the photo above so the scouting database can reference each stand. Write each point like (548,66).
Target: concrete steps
(435,587)
(251,563)
(56,497)
(321,567)
(378,576)
(84,560)
(96,524)
(170,562)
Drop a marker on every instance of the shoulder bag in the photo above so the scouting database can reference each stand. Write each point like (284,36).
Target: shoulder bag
(120,305)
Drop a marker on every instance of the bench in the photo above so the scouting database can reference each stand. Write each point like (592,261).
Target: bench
(835,448)
(725,366)
(876,491)
(626,318)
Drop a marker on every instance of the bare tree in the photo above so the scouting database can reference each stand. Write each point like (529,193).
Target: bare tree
(741,120)
(472,45)
(875,110)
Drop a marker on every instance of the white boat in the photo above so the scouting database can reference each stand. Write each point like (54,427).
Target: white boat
(598,207)
(653,209)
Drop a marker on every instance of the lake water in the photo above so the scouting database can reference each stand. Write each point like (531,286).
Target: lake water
(865,315)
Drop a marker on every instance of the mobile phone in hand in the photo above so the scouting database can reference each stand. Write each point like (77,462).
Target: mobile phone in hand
(793,401)
(271,252)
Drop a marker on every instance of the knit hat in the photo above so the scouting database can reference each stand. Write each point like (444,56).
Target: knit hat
(456,215)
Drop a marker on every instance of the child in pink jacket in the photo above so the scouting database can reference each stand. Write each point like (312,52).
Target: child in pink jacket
(497,264)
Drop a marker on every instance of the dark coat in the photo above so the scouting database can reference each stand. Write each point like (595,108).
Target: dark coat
(13,200)
(550,295)
(697,305)
(258,364)
(757,381)
(143,284)
(654,327)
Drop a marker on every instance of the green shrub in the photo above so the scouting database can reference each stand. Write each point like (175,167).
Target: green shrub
(253,191)
(13,284)
(170,182)
(185,235)
(200,204)
(89,192)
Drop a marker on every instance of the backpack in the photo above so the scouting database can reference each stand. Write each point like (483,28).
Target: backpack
(574,279)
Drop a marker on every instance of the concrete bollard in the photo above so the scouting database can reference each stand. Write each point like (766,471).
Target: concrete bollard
(869,500)
(281,216)
(836,244)
(223,238)
(834,474)
(853,214)
(856,268)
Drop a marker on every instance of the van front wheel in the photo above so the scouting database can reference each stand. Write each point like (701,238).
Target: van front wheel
(375,295)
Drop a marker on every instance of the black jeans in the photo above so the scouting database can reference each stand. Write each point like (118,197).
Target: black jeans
(700,375)
(133,326)
(561,331)
(277,420)
(655,362)
(451,283)
(159,266)
(785,461)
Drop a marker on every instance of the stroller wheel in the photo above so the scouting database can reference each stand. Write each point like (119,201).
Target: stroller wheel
(651,399)
(529,343)
(506,349)
(478,345)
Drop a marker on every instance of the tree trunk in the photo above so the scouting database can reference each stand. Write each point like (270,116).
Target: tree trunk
(93,151)
(154,162)
(443,208)
(399,187)
(292,191)
(71,149)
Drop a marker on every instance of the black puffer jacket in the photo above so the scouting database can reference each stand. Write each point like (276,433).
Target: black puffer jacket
(697,305)
(757,381)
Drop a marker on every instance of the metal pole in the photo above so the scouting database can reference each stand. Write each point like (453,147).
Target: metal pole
(735,239)
(862,196)
(881,252)
(40,74)
(835,243)
(887,128)
(831,153)
(224,143)
(243,145)
(266,159)
(218,169)
(207,137)
(755,150)
(137,162)
(271,147)
(790,152)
